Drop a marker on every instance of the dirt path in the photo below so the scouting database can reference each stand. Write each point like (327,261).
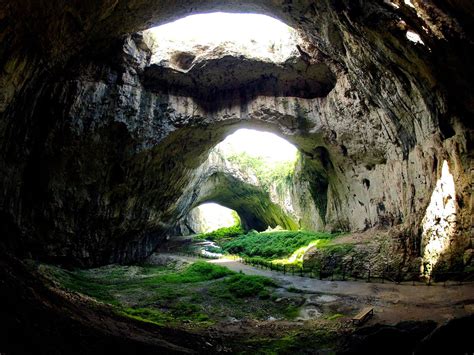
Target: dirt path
(392,303)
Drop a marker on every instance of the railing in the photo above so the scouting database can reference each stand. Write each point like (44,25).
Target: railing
(344,274)
(369,275)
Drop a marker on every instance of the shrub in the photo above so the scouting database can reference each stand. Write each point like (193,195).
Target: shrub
(241,285)
(211,249)
(221,233)
(272,245)
(197,272)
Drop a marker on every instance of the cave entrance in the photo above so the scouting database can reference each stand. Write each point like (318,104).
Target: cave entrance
(251,35)
(258,150)
(253,173)
(209,217)
(220,58)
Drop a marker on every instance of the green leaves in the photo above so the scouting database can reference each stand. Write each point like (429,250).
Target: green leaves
(201,293)
(226,232)
(197,272)
(267,173)
(241,285)
(273,244)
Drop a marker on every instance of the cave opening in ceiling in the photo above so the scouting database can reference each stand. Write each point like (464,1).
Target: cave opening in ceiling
(250,35)
(112,135)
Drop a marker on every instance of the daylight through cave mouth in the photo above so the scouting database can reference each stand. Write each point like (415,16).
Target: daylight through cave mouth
(114,133)
(265,147)
(250,35)
(218,58)
(254,173)
(210,217)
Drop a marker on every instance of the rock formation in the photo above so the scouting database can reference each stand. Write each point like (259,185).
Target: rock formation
(100,145)
(101,149)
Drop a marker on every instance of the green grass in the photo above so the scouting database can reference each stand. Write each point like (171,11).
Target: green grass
(215,250)
(222,233)
(273,245)
(302,341)
(241,285)
(197,272)
(335,316)
(146,315)
(201,293)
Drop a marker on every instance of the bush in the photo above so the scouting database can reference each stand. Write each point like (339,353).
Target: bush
(273,245)
(215,250)
(197,272)
(241,285)
(221,233)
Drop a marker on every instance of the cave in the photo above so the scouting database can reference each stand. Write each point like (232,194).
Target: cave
(110,138)
(208,217)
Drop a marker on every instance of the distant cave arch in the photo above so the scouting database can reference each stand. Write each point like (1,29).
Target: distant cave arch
(252,204)
(209,217)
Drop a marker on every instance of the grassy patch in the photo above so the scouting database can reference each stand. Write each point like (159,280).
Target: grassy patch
(222,233)
(201,294)
(241,285)
(197,272)
(291,311)
(305,341)
(335,316)
(274,245)
(146,315)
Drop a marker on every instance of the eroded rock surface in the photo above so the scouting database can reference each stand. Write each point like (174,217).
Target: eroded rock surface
(99,148)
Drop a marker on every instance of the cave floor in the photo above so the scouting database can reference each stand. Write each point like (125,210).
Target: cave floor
(298,313)
(392,302)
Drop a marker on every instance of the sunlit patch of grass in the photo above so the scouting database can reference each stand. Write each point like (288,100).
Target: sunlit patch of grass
(297,257)
(224,233)
(335,316)
(286,247)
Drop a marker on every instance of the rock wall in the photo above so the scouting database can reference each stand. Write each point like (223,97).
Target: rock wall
(222,181)
(98,164)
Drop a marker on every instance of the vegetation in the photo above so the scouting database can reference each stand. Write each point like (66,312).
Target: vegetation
(241,285)
(279,173)
(201,293)
(222,233)
(335,316)
(305,340)
(274,245)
